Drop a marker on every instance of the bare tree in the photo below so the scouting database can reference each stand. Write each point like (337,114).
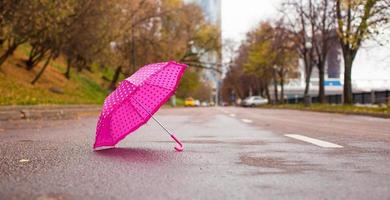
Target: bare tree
(323,20)
(300,23)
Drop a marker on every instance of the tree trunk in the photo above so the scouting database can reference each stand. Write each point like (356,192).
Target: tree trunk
(306,96)
(321,89)
(7,53)
(275,86)
(282,90)
(308,70)
(35,58)
(267,94)
(276,91)
(68,66)
(29,63)
(42,70)
(115,78)
(347,93)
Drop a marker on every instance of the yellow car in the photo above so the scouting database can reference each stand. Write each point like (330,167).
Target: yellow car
(189,102)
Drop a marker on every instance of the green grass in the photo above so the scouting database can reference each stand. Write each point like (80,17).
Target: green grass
(82,88)
(179,101)
(346,109)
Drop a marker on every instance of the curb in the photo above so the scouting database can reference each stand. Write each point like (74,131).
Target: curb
(368,114)
(47,112)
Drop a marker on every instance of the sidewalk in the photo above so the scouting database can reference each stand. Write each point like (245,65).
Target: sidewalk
(32,112)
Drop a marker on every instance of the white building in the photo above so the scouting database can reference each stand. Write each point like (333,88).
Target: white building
(334,74)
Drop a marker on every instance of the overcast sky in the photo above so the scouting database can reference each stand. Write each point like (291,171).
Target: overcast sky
(240,16)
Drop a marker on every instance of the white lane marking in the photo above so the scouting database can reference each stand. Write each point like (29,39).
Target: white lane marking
(247,120)
(314,141)
(232,115)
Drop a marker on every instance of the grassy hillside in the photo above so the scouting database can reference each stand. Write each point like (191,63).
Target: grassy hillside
(83,88)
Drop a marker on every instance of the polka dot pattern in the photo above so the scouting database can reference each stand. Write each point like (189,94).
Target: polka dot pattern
(145,72)
(123,120)
(166,78)
(150,97)
(123,92)
(150,86)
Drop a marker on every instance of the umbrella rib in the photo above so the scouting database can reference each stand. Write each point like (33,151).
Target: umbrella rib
(158,122)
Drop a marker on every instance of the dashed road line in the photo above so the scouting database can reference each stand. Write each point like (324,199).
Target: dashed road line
(232,115)
(247,121)
(314,141)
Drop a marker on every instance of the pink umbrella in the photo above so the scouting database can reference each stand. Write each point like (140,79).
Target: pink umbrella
(135,101)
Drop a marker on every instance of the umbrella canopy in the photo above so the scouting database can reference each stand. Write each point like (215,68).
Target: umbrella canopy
(135,101)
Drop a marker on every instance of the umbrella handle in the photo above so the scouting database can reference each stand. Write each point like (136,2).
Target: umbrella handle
(179,146)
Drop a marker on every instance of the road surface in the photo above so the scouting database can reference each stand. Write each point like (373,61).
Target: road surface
(230,153)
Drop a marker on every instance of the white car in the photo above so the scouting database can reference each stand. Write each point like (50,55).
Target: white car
(254,101)
(197,103)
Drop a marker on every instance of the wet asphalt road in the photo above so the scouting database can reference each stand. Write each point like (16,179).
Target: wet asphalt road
(230,153)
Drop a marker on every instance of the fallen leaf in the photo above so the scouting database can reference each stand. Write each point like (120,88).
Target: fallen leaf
(24,160)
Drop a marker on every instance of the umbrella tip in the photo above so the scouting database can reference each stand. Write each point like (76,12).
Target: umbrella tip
(179,147)
(103,148)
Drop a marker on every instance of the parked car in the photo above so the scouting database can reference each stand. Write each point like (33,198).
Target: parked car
(197,103)
(204,104)
(190,102)
(254,101)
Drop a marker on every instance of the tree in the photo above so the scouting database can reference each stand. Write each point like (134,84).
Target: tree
(15,26)
(203,92)
(122,35)
(168,30)
(189,83)
(272,56)
(53,23)
(323,20)
(88,34)
(302,25)
(238,82)
(356,22)
(260,60)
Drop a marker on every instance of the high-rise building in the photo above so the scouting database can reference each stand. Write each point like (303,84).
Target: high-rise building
(212,12)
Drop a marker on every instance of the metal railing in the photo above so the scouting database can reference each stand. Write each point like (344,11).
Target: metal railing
(373,97)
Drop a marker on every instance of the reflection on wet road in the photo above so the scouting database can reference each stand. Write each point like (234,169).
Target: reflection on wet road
(230,153)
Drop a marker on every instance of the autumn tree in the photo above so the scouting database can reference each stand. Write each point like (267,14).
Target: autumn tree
(60,19)
(239,83)
(358,21)
(272,56)
(88,34)
(17,24)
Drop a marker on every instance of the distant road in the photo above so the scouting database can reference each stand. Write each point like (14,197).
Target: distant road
(230,153)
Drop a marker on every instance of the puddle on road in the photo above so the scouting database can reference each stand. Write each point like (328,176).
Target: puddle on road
(262,162)
(234,142)
(275,163)
(54,196)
